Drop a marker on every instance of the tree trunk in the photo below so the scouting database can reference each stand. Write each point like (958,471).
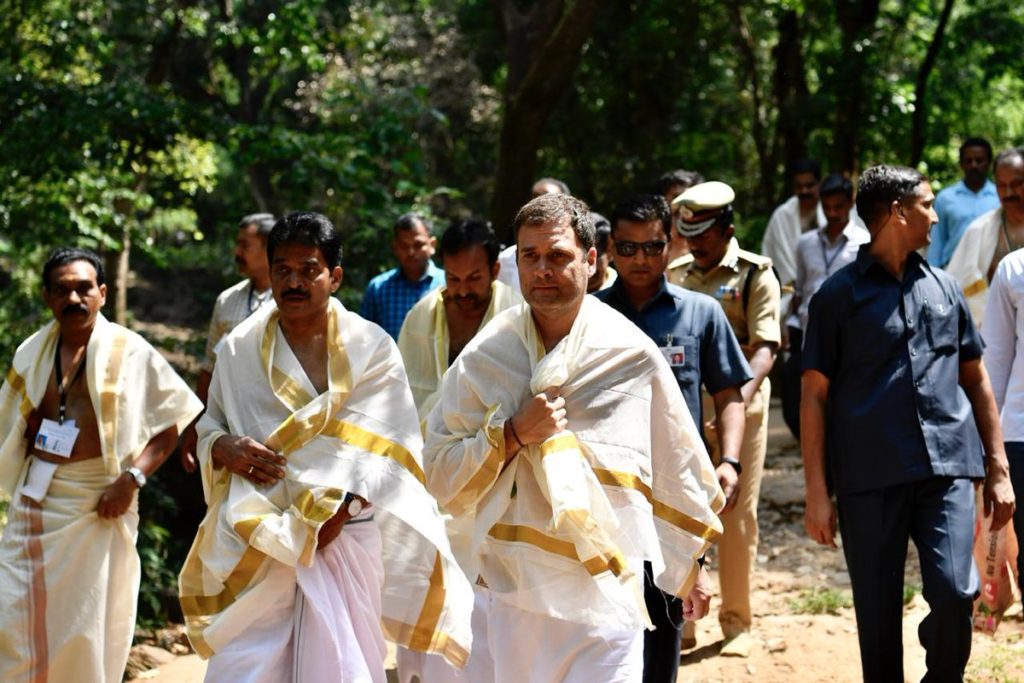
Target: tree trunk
(544,47)
(792,97)
(764,197)
(856,19)
(121,278)
(919,122)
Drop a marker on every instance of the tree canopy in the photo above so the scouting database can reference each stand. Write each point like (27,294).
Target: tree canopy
(155,125)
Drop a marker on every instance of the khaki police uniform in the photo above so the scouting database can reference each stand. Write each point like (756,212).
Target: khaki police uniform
(755,319)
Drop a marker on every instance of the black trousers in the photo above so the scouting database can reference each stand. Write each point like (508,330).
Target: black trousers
(938,514)
(791,382)
(1015,454)
(661,646)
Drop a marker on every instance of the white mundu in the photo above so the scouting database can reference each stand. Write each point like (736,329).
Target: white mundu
(69,580)
(559,534)
(423,341)
(259,596)
(424,345)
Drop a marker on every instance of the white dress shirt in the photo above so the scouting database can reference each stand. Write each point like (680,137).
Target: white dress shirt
(1003,332)
(817,259)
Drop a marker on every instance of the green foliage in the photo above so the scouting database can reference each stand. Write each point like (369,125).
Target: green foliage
(909,591)
(821,601)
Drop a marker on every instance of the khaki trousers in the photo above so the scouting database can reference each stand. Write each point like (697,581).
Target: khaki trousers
(737,548)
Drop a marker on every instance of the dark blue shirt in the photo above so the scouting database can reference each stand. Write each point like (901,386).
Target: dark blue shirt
(892,352)
(694,333)
(390,295)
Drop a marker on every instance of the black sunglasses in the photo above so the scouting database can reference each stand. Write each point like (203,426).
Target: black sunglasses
(652,248)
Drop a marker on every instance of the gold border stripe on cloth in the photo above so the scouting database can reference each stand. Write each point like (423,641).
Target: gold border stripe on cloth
(661,510)
(518,533)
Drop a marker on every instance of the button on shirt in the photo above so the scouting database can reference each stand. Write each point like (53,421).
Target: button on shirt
(233,305)
(817,258)
(693,333)
(390,295)
(1003,331)
(892,352)
(957,206)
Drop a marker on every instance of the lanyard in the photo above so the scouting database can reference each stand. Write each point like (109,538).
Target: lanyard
(824,254)
(62,388)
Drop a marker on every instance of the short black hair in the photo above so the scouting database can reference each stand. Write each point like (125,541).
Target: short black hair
(880,186)
(798,166)
(555,208)
(264,223)
(679,176)
(644,208)
(61,256)
(469,232)
(308,228)
(409,221)
(976,142)
(836,183)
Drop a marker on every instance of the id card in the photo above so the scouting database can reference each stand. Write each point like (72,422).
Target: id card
(57,439)
(675,355)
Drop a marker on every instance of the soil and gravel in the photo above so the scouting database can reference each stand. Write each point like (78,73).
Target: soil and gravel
(794,578)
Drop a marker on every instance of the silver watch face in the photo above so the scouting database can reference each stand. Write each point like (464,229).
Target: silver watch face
(140,478)
(355,506)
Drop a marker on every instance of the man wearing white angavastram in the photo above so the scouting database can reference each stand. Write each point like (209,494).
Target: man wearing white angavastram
(992,235)
(561,440)
(87,412)
(319,530)
(433,334)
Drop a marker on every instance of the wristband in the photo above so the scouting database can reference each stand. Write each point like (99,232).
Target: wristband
(735,465)
(515,436)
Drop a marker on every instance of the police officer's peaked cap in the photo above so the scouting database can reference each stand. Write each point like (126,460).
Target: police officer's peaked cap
(701,205)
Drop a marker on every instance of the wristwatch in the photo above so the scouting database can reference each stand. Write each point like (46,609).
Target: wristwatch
(735,465)
(137,475)
(353,504)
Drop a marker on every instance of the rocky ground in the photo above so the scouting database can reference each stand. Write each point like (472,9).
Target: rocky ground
(804,629)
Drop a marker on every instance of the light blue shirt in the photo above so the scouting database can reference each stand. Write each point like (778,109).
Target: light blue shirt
(957,206)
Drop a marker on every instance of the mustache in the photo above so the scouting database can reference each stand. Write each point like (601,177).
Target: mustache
(74,308)
(295,291)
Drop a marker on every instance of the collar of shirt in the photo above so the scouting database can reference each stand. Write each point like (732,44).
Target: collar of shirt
(618,291)
(988,189)
(865,260)
(846,235)
(431,273)
(730,260)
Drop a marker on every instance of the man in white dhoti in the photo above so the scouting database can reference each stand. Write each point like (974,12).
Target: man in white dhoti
(440,325)
(88,411)
(563,446)
(434,333)
(320,537)
(992,235)
(795,216)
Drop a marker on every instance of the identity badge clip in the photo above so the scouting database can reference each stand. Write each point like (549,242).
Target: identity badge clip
(53,438)
(675,355)
(56,438)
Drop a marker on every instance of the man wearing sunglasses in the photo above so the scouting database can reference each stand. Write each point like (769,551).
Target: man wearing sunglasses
(694,335)
(748,290)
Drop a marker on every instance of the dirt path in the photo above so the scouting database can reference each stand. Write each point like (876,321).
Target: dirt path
(790,643)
